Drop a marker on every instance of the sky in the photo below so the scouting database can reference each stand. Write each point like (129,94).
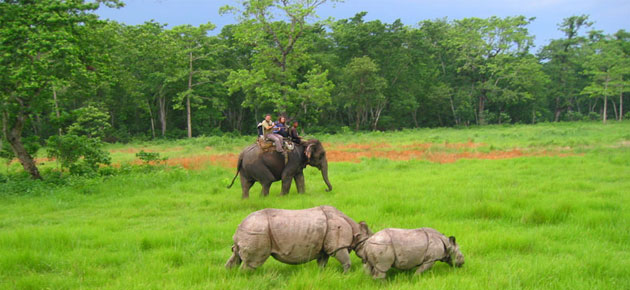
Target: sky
(608,15)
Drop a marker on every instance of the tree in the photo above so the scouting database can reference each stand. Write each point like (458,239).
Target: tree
(362,91)
(563,60)
(41,41)
(489,48)
(195,47)
(622,38)
(607,66)
(282,72)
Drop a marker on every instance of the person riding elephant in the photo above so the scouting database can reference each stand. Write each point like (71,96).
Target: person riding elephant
(267,167)
(280,127)
(268,128)
(293,133)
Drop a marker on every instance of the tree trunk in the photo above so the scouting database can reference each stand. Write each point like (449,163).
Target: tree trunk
(621,104)
(605,101)
(162,113)
(152,120)
(453,110)
(614,108)
(558,110)
(188,114)
(56,107)
(414,115)
(14,137)
(481,119)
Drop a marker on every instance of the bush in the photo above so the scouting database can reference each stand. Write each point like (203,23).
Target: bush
(148,157)
(80,154)
(90,122)
(494,118)
(593,116)
(573,116)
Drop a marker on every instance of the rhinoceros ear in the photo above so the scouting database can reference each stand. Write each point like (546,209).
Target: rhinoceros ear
(452,240)
(364,228)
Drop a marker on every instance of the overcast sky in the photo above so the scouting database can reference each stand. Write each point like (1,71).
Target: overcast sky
(608,15)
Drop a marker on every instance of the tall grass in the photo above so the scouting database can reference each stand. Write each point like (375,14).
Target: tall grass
(529,222)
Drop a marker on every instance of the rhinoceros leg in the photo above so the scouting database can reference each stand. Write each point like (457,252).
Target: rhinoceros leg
(381,257)
(254,251)
(344,258)
(322,260)
(424,267)
(234,260)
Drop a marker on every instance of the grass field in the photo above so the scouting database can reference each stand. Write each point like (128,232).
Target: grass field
(553,214)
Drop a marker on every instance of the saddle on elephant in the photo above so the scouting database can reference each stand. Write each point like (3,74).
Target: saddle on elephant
(268,146)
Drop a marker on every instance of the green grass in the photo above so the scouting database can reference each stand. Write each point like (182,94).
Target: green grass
(530,222)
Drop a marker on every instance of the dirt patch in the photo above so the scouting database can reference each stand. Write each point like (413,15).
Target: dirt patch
(132,150)
(625,143)
(438,157)
(433,152)
(358,147)
(197,162)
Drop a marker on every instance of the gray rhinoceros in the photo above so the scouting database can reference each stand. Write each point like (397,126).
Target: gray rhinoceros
(405,249)
(296,237)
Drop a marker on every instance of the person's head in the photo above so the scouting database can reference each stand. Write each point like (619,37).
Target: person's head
(282,119)
(295,124)
(268,117)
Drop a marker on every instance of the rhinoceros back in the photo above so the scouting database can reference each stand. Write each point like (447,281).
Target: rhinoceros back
(297,236)
(410,247)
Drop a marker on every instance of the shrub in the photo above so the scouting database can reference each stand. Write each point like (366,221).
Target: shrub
(90,122)
(148,157)
(593,116)
(573,116)
(80,154)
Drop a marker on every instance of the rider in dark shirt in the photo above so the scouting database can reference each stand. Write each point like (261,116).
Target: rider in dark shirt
(293,133)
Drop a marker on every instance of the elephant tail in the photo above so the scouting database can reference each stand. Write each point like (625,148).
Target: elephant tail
(238,170)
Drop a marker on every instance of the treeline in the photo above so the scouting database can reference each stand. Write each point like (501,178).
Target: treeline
(64,71)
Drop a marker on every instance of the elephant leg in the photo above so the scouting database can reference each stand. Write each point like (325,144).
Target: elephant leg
(322,260)
(424,267)
(299,182)
(343,257)
(286,184)
(246,184)
(265,189)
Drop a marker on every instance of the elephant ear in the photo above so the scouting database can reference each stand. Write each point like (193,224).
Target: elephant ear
(308,151)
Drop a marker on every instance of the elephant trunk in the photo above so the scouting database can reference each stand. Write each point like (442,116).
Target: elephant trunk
(325,175)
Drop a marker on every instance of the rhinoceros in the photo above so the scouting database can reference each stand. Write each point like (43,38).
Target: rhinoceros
(296,237)
(405,249)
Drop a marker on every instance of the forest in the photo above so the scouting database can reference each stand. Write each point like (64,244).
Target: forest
(69,78)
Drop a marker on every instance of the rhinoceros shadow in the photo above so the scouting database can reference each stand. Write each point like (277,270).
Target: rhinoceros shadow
(438,270)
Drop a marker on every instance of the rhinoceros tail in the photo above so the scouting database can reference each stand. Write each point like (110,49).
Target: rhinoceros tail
(238,169)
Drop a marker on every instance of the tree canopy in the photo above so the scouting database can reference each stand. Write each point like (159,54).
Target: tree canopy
(65,72)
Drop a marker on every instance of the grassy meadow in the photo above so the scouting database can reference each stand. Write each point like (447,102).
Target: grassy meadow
(555,215)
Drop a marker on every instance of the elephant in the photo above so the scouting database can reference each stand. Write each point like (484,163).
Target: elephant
(296,237)
(266,167)
(407,248)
